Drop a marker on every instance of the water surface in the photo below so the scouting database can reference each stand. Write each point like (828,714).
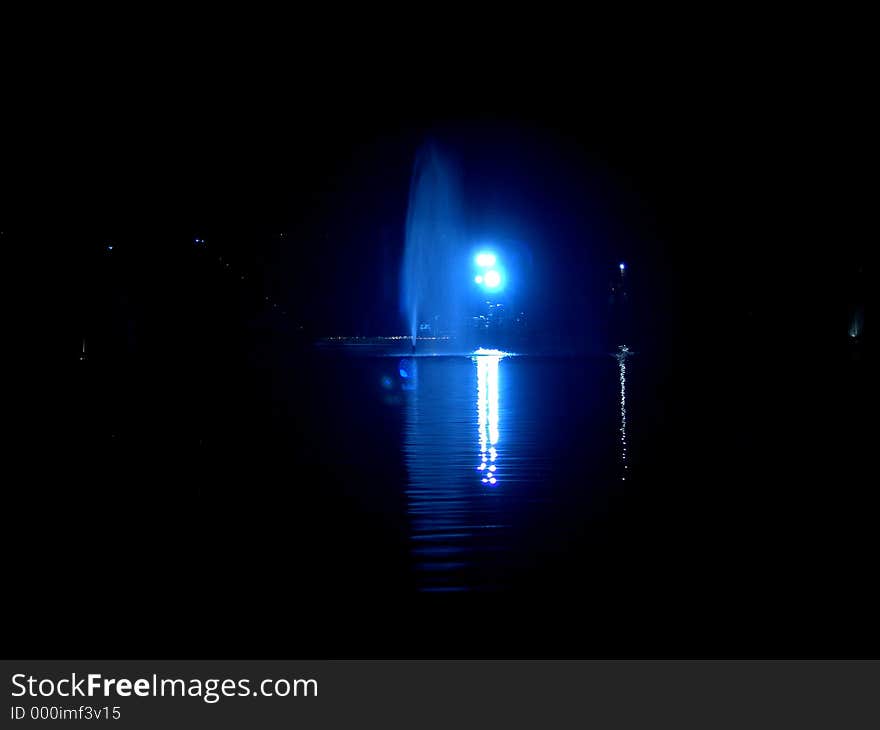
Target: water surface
(504,455)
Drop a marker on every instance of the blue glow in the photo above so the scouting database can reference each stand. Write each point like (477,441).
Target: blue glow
(478,279)
(622,266)
(492,279)
(485,259)
(408,370)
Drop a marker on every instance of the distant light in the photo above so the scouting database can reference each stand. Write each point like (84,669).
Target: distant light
(478,279)
(622,266)
(403,373)
(485,259)
(493,279)
(110,247)
(492,480)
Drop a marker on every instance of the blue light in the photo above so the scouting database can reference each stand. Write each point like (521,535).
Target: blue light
(622,266)
(478,279)
(485,259)
(492,279)
(403,373)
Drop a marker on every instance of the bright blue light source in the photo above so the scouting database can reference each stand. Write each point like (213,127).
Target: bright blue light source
(622,266)
(478,279)
(485,259)
(492,279)
(403,373)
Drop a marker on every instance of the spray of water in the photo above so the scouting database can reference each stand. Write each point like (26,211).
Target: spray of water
(431,277)
(857,322)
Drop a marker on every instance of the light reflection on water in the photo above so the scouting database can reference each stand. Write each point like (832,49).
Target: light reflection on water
(622,365)
(455,521)
(488,417)
(475,523)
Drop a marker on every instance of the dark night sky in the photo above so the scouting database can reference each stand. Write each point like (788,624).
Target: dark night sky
(699,199)
(710,179)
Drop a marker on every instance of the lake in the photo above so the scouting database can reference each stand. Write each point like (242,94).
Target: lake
(344,503)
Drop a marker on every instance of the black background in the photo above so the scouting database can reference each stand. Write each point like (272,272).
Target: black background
(733,174)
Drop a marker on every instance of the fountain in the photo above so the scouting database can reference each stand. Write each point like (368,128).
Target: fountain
(431,278)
